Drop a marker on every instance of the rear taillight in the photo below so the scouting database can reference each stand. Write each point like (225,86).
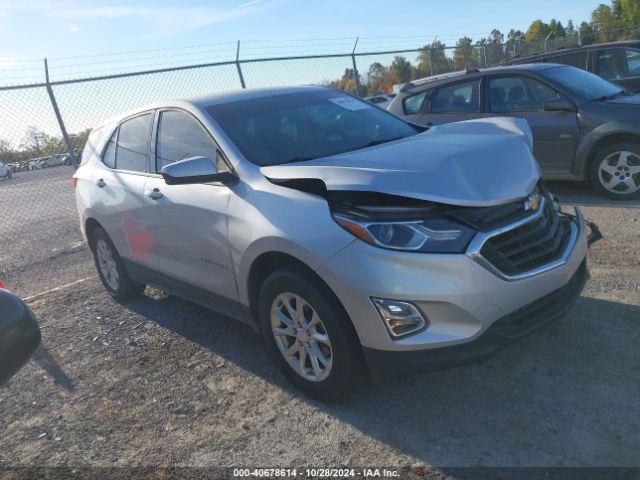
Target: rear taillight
(74,182)
(1,284)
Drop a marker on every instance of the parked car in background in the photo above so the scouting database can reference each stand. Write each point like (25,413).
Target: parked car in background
(617,62)
(5,171)
(346,235)
(584,127)
(382,100)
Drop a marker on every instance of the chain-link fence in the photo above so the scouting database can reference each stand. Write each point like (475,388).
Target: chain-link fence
(43,125)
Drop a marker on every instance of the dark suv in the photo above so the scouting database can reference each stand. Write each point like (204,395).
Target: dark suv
(584,127)
(617,62)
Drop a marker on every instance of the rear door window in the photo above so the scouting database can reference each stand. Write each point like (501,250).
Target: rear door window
(133,142)
(459,98)
(518,94)
(633,62)
(612,64)
(578,60)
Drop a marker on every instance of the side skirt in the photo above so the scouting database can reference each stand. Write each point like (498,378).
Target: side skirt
(212,301)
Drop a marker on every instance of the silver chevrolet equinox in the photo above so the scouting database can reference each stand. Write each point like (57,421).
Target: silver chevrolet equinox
(359,245)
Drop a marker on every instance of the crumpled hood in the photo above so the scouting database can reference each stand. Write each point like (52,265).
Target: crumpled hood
(480,162)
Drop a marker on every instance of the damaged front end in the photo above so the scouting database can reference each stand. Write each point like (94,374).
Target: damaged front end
(514,240)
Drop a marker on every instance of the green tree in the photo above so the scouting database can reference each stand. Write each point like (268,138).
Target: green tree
(401,69)
(587,34)
(379,79)
(537,31)
(348,83)
(465,55)
(604,23)
(628,14)
(432,59)
(494,46)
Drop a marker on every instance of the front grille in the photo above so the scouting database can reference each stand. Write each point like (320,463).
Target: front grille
(531,245)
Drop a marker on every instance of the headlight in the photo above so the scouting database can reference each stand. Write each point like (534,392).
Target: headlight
(432,235)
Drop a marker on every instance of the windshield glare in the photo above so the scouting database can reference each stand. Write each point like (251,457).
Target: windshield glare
(584,84)
(305,125)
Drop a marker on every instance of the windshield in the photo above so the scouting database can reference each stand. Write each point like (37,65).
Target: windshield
(585,84)
(305,125)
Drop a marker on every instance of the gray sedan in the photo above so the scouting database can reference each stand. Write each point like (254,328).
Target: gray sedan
(584,127)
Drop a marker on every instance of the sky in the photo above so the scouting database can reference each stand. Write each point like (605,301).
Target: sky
(84,38)
(33,29)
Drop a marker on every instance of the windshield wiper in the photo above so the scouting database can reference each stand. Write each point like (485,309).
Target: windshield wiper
(613,95)
(379,142)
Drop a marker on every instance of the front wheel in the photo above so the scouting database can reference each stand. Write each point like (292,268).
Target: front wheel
(615,170)
(309,333)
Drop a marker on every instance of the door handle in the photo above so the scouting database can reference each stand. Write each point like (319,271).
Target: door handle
(154,194)
(100,183)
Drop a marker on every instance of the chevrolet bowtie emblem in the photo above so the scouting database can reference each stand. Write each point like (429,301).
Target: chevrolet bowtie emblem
(532,202)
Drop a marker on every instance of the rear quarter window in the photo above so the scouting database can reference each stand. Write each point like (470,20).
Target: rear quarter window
(413,104)
(94,144)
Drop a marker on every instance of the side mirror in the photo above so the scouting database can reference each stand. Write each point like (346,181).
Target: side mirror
(559,105)
(195,170)
(19,334)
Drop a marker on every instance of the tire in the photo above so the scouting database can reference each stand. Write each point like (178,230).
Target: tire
(117,282)
(614,167)
(344,349)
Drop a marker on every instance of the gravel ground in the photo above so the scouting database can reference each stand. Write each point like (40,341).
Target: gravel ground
(161,382)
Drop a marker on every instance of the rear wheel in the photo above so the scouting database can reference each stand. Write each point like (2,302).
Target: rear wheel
(615,170)
(111,269)
(309,333)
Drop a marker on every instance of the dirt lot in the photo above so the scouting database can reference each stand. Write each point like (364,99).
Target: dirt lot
(159,381)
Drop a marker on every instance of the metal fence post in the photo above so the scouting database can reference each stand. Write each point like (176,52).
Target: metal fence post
(355,67)
(56,110)
(238,65)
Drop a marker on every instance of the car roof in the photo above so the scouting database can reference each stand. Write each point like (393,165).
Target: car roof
(572,49)
(205,101)
(447,77)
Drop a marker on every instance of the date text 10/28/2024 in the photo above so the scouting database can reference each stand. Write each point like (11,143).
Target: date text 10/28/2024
(315,472)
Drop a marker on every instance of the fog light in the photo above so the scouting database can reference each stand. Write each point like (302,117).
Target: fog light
(400,318)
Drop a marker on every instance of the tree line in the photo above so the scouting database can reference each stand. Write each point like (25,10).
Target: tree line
(619,20)
(37,143)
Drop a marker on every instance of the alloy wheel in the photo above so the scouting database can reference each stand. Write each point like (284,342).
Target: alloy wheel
(107,264)
(619,173)
(301,337)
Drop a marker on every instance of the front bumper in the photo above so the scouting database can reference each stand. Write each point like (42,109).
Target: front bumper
(385,364)
(463,301)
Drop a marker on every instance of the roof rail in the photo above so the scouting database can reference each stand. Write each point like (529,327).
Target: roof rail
(407,86)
